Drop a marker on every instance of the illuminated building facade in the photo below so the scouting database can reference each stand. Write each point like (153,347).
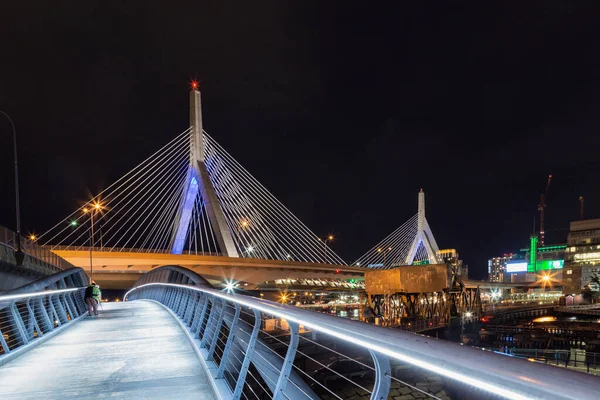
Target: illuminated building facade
(497,267)
(582,255)
(450,257)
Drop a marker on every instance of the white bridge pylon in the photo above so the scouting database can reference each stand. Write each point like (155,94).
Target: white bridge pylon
(412,243)
(198,183)
(190,197)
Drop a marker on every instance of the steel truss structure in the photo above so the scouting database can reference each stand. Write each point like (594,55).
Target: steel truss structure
(436,308)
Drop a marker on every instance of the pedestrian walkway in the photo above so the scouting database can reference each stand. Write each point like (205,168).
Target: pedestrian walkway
(130,351)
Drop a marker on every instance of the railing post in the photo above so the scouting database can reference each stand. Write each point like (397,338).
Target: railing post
(32,323)
(201,317)
(53,311)
(81,301)
(170,296)
(69,300)
(383,373)
(211,314)
(197,310)
(49,326)
(174,299)
(183,303)
(67,305)
(241,380)
(189,311)
(229,343)
(3,343)
(179,301)
(62,314)
(288,362)
(217,331)
(17,321)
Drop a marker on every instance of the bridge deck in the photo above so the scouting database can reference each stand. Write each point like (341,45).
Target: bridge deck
(128,352)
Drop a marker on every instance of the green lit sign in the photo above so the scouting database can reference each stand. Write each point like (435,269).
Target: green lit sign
(423,262)
(550,264)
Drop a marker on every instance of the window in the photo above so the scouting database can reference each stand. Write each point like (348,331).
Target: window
(569,272)
(569,280)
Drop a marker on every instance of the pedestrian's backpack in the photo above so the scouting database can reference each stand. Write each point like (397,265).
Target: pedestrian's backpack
(89,291)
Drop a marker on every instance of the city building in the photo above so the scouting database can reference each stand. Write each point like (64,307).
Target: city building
(582,255)
(530,264)
(450,257)
(548,261)
(497,267)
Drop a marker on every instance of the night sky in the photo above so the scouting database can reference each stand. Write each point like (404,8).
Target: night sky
(343,110)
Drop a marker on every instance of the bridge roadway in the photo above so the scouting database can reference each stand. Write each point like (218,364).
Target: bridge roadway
(120,270)
(130,351)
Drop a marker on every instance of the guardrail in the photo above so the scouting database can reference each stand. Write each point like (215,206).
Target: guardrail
(587,309)
(580,360)
(227,330)
(36,256)
(27,317)
(31,312)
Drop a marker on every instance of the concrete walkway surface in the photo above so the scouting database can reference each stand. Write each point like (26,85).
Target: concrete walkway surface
(130,351)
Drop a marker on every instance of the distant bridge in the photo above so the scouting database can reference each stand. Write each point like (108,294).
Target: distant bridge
(231,346)
(119,270)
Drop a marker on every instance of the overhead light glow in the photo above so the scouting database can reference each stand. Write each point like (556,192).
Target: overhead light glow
(229,286)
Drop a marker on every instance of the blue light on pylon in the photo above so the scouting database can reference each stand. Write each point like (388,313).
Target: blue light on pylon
(186,215)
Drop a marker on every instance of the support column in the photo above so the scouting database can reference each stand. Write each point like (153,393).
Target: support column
(199,179)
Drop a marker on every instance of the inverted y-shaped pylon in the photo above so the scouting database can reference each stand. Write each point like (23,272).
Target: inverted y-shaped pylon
(411,243)
(199,183)
(190,197)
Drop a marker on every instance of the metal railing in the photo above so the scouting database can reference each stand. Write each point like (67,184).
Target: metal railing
(588,309)
(580,360)
(37,257)
(255,348)
(31,312)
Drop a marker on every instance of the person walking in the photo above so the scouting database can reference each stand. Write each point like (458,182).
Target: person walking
(92,298)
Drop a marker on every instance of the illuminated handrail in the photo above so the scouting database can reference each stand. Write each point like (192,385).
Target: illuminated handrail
(27,317)
(203,311)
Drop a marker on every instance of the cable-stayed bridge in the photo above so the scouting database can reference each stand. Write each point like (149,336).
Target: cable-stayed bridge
(192,204)
(411,243)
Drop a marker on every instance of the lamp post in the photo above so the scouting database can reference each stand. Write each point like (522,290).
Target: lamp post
(239,229)
(19,255)
(380,250)
(92,210)
(329,238)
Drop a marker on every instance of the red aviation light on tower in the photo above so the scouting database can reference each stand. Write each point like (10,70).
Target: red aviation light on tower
(194,84)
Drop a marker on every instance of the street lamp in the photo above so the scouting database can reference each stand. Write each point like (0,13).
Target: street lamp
(19,255)
(380,250)
(329,238)
(93,209)
(239,229)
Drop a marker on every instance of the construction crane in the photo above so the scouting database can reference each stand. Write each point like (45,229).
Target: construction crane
(581,207)
(541,207)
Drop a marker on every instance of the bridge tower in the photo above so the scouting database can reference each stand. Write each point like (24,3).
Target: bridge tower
(423,236)
(199,180)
